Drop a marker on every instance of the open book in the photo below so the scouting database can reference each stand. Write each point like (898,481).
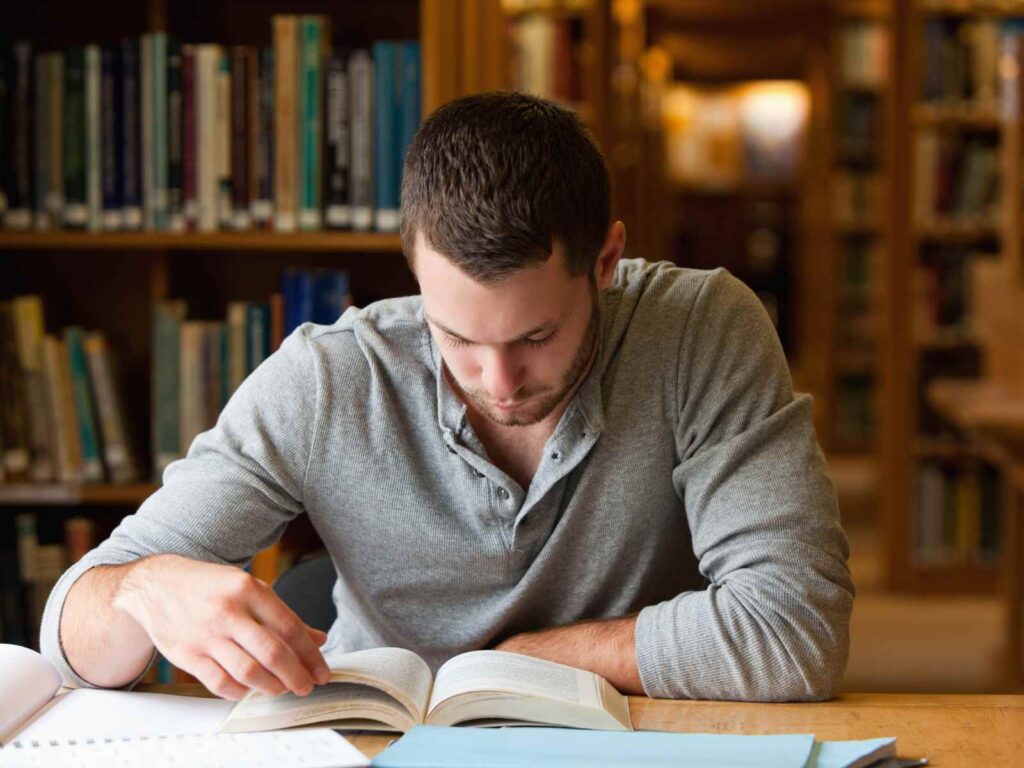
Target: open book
(391,689)
(34,709)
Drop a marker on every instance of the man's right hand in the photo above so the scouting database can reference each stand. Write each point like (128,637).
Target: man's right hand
(216,622)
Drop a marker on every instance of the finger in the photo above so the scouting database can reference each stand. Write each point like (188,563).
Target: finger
(317,636)
(273,654)
(217,681)
(245,669)
(282,621)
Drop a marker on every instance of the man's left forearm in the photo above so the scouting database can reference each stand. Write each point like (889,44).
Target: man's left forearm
(605,646)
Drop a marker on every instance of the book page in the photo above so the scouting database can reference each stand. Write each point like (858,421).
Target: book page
(390,685)
(86,713)
(517,674)
(27,682)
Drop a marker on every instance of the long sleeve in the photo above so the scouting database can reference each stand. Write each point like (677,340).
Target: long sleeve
(773,623)
(232,495)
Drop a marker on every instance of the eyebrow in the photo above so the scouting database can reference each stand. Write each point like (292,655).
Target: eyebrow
(550,325)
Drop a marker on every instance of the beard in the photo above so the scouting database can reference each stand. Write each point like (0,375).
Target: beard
(547,398)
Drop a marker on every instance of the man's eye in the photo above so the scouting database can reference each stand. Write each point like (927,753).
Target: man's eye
(539,342)
(455,341)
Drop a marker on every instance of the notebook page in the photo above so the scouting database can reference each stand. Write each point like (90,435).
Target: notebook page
(317,748)
(27,682)
(98,714)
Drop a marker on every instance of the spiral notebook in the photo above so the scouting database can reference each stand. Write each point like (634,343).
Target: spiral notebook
(41,726)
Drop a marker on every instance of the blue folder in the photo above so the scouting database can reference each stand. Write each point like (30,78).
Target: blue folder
(429,746)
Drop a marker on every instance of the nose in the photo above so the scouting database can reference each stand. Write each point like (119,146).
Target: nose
(501,375)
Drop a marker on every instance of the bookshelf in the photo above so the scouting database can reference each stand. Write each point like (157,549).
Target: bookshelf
(112,280)
(949,292)
(858,177)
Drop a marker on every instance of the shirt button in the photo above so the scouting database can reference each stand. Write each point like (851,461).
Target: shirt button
(502,493)
(557,455)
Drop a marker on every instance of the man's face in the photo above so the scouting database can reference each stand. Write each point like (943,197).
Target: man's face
(514,349)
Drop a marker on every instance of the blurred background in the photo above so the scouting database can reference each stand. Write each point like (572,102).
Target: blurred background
(182,183)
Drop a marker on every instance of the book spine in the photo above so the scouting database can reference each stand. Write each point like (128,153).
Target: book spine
(131,150)
(111,103)
(311,42)
(212,373)
(146,131)
(175,138)
(79,537)
(285,122)
(385,136)
(93,185)
(110,408)
(361,189)
(277,321)
(330,296)
(207,61)
(27,316)
(237,343)
(167,334)
(159,128)
(337,211)
(27,542)
(66,452)
(190,201)
(409,114)
(6,163)
(40,141)
(263,202)
(92,464)
(222,155)
(55,141)
(258,335)
(240,214)
(252,129)
(19,210)
(14,429)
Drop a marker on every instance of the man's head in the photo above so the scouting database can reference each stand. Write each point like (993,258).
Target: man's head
(505,222)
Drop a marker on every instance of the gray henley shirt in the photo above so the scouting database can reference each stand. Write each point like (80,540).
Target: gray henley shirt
(684,481)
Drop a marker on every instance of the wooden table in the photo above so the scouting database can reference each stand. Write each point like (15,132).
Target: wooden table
(954,731)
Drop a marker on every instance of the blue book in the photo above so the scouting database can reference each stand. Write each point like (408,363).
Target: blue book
(330,296)
(85,408)
(258,335)
(409,116)
(430,746)
(297,288)
(386,171)
(130,147)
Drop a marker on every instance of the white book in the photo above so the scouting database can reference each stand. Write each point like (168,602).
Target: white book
(93,187)
(392,689)
(207,164)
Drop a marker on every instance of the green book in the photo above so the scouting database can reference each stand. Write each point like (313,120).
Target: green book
(76,211)
(85,410)
(167,321)
(158,125)
(311,56)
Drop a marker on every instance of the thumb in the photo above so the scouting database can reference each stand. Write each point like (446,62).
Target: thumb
(317,636)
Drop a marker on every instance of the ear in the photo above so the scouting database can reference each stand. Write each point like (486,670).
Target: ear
(611,252)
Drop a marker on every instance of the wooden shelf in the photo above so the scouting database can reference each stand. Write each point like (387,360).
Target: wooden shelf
(955,232)
(966,115)
(957,578)
(979,406)
(947,339)
(347,242)
(999,8)
(74,494)
(550,7)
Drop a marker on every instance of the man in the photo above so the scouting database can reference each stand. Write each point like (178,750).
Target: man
(552,452)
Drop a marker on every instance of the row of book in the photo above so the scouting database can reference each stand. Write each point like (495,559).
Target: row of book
(150,133)
(957,513)
(548,54)
(198,364)
(943,292)
(29,570)
(864,54)
(956,176)
(861,117)
(961,58)
(62,416)
(858,198)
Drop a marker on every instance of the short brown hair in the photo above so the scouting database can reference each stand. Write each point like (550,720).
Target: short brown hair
(492,180)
